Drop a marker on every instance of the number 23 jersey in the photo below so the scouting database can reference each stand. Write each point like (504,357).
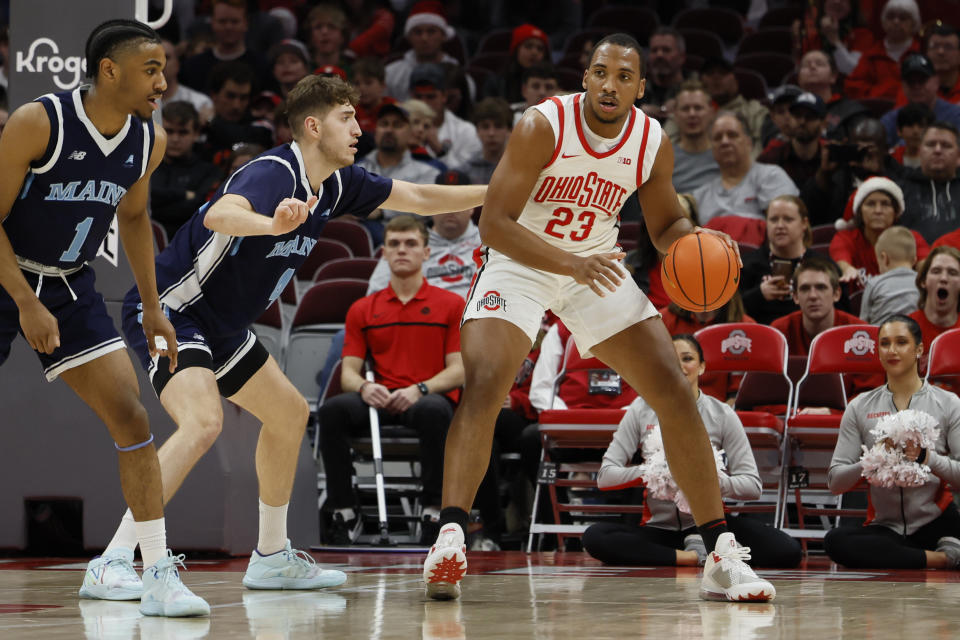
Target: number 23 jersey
(580,191)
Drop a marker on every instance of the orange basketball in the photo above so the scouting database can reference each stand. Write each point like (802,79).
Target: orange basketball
(700,272)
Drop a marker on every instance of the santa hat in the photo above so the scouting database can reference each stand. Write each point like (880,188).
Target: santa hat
(428,12)
(907,6)
(870,185)
(525,32)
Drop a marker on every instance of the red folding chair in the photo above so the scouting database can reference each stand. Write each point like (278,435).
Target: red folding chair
(762,352)
(943,362)
(811,439)
(583,425)
(351,233)
(325,250)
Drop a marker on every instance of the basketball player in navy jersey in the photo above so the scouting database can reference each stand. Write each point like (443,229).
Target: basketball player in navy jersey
(223,269)
(549,225)
(68,163)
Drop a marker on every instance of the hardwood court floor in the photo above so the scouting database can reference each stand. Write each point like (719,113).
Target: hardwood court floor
(508,595)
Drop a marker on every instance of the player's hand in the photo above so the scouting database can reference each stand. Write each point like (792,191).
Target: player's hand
(161,336)
(774,287)
(290,214)
(599,270)
(402,399)
(39,327)
(375,395)
(726,238)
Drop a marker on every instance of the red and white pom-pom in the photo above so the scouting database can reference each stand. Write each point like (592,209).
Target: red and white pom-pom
(888,467)
(656,472)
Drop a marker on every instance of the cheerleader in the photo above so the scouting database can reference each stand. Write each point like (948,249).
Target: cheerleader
(910,527)
(668,536)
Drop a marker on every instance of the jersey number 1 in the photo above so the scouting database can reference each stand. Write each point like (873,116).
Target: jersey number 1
(563,216)
(73,251)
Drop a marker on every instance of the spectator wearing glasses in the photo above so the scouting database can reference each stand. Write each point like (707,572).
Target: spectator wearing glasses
(943,49)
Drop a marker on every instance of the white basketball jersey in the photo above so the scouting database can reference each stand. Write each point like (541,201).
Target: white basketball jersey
(579,194)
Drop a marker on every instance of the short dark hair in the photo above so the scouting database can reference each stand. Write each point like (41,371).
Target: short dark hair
(943,125)
(940,29)
(691,340)
(624,40)
(494,109)
(238,72)
(316,95)
(817,264)
(546,71)
(673,33)
(914,113)
(912,326)
(369,67)
(924,269)
(407,222)
(113,36)
(181,112)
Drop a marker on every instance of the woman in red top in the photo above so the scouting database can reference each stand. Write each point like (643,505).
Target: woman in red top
(877,204)
(939,282)
(877,74)
(837,28)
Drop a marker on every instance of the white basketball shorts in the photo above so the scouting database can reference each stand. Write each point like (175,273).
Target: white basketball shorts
(508,290)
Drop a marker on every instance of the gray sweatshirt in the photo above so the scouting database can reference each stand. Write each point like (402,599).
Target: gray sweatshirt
(903,510)
(888,293)
(741,481)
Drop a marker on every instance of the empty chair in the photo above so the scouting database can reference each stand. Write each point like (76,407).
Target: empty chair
(494,61)
(639,22)
(752,85)
(269,330)
(823,233)
(320,314)
(702,43)
(324,251)
(496,41)
(351,233)
(357,268)
(772,40)
(774,67)
(781,17)
(944,359)
(726,23)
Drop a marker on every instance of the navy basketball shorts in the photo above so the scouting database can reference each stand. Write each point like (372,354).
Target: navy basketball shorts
(86,329)
(233,359)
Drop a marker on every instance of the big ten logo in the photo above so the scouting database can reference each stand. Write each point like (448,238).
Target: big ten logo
(736,343)
(43,56)
(860,344)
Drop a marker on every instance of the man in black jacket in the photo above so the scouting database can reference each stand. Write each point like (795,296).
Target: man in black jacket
(932,193)
(183,181)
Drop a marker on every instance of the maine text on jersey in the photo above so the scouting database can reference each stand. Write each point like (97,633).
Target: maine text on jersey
(107,192)
(583,191)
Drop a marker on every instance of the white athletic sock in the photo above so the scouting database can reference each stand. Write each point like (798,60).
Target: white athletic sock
(126,535)
(273,529)
(348,514)
(152,535)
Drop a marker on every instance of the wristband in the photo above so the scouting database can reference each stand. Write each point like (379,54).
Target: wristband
(922,456)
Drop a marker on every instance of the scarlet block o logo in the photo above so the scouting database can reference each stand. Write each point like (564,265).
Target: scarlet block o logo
(491,301)
(736,343)
(860,344)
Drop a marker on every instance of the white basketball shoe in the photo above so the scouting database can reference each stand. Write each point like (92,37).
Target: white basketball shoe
(727,576)
(289,569)
(112,577)
(446,564)
(165,595)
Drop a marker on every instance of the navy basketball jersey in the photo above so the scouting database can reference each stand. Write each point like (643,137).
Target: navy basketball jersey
(70,195)
(227,282)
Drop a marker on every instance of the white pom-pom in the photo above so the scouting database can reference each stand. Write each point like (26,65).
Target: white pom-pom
(656,472)
(888,467)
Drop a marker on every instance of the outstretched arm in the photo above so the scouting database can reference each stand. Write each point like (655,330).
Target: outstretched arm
(136,235)
(233,215)
(431,199)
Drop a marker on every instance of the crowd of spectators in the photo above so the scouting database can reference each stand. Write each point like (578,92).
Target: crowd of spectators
(836,178)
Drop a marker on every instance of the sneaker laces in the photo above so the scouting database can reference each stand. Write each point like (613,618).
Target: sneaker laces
(735,557)
(168,568)
(301,559)
(123,566)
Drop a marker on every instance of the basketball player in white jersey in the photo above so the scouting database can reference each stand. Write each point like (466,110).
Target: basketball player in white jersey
(549,226)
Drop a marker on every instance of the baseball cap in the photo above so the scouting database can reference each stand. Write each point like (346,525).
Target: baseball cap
(392,107)
(428,75)
(813,102)
(784,93)
(289,45)
(916,64)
